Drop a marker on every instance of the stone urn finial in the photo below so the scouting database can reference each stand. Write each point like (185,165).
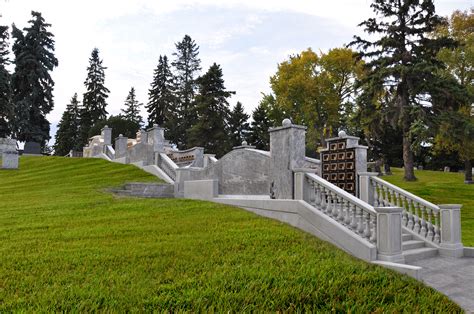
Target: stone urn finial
(244,143)
(341,134)
(286,122)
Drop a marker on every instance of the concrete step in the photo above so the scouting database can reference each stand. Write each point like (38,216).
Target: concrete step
(150,189)
(406,237)
(122,192)
(412,244)
(418,254)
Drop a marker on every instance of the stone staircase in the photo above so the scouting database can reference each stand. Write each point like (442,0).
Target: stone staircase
(147,190)
(415,250)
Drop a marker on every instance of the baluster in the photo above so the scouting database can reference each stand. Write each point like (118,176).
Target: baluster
(437,229)
(330,206)
(429,224)
(386,194)
(324,203)
(335,208)
(416,218)
(409,214)
(373,230)
(317,190)
(394,198)
(312,193)
(367,225)
(341,208)
(347,218)
(376,194)
(360,221)
(423,221)
(354,216)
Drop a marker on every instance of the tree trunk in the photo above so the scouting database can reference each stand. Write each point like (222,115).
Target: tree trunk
(408,159)
(468,172)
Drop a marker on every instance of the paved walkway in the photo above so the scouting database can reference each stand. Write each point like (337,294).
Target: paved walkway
(453,277)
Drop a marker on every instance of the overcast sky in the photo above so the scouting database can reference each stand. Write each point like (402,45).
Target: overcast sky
(248,38)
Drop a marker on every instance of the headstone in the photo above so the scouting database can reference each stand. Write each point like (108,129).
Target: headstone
(32,148)
(447,169)
(10,160)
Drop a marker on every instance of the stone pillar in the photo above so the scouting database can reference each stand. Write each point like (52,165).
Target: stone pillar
(106,134)
(300,192)
(143,136)
(366,190)
(389,234)
(287,150)
(156,137)
(121,146)
(451,244)
(10,159)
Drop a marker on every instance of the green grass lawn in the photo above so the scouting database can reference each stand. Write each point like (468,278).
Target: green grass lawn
(442,188)
(65,244)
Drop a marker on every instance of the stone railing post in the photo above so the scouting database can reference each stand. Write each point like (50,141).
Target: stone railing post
(389,234)
(287,150)
(299,186)
(451,244)
(121,146)
(366,190)
(106,134)
(156,137)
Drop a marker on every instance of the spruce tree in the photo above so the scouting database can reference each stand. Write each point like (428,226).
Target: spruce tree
(132,108)
(161,100)
(6,108)
(212,112)
(95,98)
(67,135)
(32,85)
(259,136)
(238,125)
(186,65)
(402,61)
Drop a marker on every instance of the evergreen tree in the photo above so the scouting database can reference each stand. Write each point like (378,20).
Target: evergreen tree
(6,108)
(32,85)
(67,135)
(238,125)
(95,98)
(161,100)
(212,112)
(132,108)
(186,65)
(402,61)
(259,136)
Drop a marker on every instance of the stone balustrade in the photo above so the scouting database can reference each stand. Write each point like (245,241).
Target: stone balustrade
(167,165)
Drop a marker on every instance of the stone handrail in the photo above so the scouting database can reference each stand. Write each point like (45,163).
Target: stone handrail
(167,165)
(419,215)
(357,215)
(109,151)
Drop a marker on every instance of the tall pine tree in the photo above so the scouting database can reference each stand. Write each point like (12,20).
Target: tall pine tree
(32,85)
(6,108)
(259,136)
(161,99)
(187,66)
(402,61)
(239,127)
(67,135)
(212,112)
(132,108)
(95,98)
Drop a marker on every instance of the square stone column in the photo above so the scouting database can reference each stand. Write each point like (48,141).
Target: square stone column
(287,150)
(121,146)
(366,190)
(451,244)
(156,137)
(389,234)
(106,134)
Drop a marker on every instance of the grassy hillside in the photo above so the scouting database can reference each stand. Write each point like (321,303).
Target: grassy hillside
(67,245)
(442,188)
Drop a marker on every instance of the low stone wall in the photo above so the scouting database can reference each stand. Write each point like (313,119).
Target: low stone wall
(240,172)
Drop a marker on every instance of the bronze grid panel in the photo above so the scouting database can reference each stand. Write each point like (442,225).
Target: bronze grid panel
(338,166)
